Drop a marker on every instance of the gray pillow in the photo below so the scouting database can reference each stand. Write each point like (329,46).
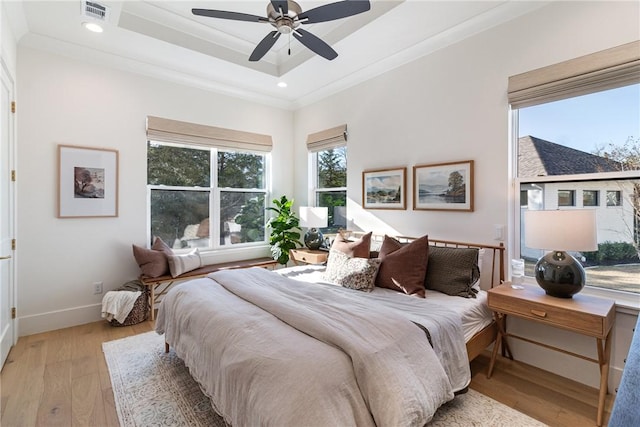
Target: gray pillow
(453,271)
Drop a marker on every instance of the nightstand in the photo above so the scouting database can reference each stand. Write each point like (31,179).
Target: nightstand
(581,314)
(308,256)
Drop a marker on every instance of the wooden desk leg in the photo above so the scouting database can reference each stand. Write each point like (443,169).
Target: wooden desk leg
(603,360)
(500,342)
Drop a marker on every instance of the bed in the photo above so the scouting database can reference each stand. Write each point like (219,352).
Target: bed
(288,347)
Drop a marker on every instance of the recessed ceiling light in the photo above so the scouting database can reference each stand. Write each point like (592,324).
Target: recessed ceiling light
(282,84)
(92,26)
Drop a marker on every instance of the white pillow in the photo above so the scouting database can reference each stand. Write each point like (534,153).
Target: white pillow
(180,264)
(353,273)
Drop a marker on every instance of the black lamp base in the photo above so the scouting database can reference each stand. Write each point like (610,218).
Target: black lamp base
(313,239)
(560,274)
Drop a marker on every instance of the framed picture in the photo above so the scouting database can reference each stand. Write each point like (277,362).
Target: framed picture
(384,189)
(443,186)
(87,182)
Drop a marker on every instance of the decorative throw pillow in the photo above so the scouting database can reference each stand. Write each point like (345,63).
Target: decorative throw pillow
(352,273)
(453,271)
(403,266)
(354,249)
(153,262)
(180,264)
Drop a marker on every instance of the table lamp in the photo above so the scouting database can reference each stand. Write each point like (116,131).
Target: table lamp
(313,218)
(557,272)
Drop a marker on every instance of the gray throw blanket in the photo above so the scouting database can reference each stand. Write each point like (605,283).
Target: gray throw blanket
(274,351)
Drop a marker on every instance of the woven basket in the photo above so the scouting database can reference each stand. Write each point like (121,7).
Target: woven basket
(138,314)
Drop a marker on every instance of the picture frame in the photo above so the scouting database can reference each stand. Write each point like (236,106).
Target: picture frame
(384,188)
(443,186)
(87,182)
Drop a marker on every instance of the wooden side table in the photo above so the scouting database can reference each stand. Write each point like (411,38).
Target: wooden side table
(308,256)
(582,314)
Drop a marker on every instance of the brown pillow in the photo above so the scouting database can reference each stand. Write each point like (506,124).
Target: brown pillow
(403,266)
(153,262)
(354,249)
(453,271)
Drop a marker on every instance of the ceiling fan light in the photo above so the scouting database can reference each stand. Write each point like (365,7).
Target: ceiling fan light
(285,29)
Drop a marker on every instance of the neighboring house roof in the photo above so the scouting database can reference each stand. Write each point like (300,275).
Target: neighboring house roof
(537,157)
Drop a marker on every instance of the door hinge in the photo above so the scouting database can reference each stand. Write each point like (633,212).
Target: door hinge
(13,244)
(13,312)
(13,106)
(13,175)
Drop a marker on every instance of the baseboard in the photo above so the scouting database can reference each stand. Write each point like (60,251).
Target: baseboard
(44,322)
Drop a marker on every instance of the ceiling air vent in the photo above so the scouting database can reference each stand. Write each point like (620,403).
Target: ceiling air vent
(95,10)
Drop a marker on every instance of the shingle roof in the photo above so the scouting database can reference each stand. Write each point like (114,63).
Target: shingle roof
(537,157)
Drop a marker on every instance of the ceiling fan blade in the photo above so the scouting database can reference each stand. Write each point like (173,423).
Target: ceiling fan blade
(331,11)
(223,14)
(281,4)
(264,46)
(315,44)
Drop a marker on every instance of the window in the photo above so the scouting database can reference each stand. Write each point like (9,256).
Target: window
(576,129)
(614,198)
(331,185)
(192,187)
(590,198)
(566,197)
(328,174)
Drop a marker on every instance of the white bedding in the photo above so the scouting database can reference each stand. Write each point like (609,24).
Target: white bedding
(474,312)
(256,365)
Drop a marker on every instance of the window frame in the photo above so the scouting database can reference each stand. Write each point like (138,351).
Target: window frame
(571,198)
(215,196)
(618,203)
(611,68)
(596,198)
(624,299)
(314,188)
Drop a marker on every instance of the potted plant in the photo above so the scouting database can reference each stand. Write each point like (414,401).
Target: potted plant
(285,231)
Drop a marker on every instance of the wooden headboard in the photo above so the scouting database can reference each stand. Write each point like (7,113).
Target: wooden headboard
(494,254)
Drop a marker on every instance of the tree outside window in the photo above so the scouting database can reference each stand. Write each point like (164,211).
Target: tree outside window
(331,186)
(189,187)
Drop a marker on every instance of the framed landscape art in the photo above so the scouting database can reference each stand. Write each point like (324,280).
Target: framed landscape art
(384,189)
(87,182)
(443,186)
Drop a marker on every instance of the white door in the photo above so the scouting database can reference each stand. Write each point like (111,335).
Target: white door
(7,294)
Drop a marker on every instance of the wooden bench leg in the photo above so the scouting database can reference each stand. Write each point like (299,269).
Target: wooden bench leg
(166,347)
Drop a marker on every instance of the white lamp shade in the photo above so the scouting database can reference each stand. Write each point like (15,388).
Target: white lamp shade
(566,230)
(314,217)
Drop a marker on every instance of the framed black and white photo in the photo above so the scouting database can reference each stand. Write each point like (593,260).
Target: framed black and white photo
(384,189)
(87,182)
(443,186)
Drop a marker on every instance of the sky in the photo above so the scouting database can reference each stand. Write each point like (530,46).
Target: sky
(586,122)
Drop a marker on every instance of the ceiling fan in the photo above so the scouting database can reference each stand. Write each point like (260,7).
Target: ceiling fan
(286,16)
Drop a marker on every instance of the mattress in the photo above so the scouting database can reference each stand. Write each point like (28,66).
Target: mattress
(474,312)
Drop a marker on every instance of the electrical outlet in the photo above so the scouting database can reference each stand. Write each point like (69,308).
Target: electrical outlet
(97,288)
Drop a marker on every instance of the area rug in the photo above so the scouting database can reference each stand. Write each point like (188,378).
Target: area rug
(154,388)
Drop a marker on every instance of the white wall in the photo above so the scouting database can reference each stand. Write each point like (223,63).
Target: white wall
(452,105)
(8,45)
(63,101)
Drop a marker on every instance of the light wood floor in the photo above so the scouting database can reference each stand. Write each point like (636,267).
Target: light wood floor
(60,378)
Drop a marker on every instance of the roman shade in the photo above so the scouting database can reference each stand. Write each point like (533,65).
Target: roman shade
(167,130)
(607,69)
(326,139)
